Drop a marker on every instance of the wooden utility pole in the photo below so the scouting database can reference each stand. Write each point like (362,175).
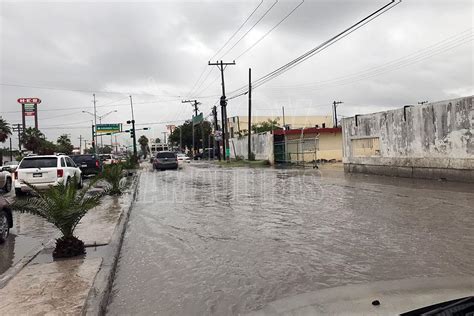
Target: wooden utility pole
(223,102)
(250,117)
(216,128)
(335,104)
(195,103)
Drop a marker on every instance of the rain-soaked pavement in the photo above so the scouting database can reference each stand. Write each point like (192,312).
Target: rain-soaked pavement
(210,240)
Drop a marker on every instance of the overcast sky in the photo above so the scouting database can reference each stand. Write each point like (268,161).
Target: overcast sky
(158,52)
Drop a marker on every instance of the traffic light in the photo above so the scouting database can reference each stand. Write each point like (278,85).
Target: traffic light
(146,128)
(132,133)
(223,101)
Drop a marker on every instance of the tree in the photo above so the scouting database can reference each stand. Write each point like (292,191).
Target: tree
(64,144)
(63,206)
(185,132)
(47,148)
(5,130)
(32,139)
(157,140)
(113,174)
(105,150)
(269,125)
(143,141)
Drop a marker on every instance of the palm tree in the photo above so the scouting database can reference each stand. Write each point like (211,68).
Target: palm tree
(32,139)
(64,144)
(63,206)
(143,141)
(113,174)
(5,130)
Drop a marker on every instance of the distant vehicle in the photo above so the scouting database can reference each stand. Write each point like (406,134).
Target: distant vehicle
(45,171)
(183,158)
(89,164)
(106,159)
(208,153)
(5,179)
(165,160)
(10,166)
(6,219)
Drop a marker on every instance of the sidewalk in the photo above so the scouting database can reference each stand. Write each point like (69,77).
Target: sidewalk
(45,286)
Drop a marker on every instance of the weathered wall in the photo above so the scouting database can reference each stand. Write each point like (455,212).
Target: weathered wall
(262,146)
(430,141)
(328,147)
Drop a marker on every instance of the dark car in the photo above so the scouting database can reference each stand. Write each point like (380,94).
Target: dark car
(89,164)
(208,153)
(6,219)
(165,160)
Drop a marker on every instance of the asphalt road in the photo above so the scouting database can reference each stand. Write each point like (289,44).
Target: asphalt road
(212,240)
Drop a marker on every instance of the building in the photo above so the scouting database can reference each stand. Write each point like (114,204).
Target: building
(308,145)
(238,125)
(432,141)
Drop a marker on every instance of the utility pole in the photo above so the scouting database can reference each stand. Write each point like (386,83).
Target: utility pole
(94,148)
(335,104)
(195,104)
(223,102)
(422,102)
(94,134)
(18,128)
(283,111)
(11,150)
(216,128)
(80,144)
(181,138)
(250,116)
(134,137)
(164,137)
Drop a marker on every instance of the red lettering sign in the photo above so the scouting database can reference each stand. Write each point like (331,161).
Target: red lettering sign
(29,100)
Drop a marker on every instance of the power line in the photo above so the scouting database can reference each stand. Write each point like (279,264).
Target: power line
(271,30)
(222,47)
(277,72)
(418,56)
(258,21)
(78,90)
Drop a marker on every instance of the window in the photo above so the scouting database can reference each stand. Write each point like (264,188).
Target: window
(63,164)
(69,162)
(165,155)
(43,162)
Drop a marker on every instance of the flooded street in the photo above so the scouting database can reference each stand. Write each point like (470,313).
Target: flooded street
(213,240)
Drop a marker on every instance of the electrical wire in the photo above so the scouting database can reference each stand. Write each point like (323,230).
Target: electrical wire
(253,26)
(222,47)
(271,30)
(419,55)
(277,72)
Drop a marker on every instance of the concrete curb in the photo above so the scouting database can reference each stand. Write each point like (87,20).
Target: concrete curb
(23,262)
(98,297)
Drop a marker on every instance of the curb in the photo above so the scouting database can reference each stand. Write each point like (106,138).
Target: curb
(23,262)
(98,297)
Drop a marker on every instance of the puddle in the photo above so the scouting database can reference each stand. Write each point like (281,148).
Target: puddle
(46,256)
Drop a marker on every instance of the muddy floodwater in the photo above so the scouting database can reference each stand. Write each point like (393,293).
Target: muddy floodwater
(212,240)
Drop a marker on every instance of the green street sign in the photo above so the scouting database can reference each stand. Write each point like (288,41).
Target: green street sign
(108,128)
(197,119)
(227,152)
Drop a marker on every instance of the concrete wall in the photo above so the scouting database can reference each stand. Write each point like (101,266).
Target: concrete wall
(432,141)
(262,147)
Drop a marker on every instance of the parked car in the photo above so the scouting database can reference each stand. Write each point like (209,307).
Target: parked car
(208,153)
(6,219)
(5,179)
(183,158)
(45,171)
(165,160)
(106,159)
(10,166)
(89,164)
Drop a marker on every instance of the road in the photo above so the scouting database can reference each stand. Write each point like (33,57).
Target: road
(212,240)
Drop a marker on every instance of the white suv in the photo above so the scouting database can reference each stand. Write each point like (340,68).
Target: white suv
(45,171)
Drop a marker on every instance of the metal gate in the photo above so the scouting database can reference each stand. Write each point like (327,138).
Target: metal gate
(299,151)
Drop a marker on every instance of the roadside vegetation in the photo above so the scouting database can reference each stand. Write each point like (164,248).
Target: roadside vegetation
(63,206)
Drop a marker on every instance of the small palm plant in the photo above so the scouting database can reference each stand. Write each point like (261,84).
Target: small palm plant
(63,206)
(113,175)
